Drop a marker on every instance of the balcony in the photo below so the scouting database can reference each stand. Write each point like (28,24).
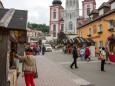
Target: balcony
(111,29)
(89,35)
(99,32)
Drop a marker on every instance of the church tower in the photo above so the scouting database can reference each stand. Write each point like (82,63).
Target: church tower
(87,7)
(71,15)
(56,19)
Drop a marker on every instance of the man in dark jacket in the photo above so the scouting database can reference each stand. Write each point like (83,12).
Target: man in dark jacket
(43,50)
(75,56)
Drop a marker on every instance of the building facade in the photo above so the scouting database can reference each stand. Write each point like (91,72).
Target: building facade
(56,18)
(101,26)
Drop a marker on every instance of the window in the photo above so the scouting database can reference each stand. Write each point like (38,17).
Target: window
(54,15)
(111,24)
(54,30)
(100,44)
(70,3)
(94,29)
(101,12)
(113,6)
(89,31)
(80,34)
(70,25)
(100,28)
(70,15)
(62,27)
(88,11)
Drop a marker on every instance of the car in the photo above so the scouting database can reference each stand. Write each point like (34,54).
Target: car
(48,47)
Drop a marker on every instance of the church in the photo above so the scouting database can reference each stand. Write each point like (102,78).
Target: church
(66,20)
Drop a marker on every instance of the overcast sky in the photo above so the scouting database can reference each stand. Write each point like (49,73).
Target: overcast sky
(38,10)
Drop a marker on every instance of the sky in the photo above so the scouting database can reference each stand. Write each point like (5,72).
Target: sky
(38,10)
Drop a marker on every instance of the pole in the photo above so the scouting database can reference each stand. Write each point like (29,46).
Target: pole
(3,57)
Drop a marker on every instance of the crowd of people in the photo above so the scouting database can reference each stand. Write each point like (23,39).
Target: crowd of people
(37,50)
(85,52)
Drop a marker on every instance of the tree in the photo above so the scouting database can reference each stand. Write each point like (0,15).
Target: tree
(61,37)
(41,27)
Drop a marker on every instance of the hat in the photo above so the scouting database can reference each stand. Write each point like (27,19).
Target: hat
(29,50)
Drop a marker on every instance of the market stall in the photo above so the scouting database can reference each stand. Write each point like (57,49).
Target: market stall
(112,58)
(111,46)
(12,38)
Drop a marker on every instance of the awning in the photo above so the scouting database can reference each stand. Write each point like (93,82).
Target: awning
(83,40)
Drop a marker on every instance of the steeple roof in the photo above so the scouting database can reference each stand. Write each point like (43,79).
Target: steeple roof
(57,2)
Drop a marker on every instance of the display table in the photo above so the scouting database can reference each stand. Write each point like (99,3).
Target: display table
(112,57)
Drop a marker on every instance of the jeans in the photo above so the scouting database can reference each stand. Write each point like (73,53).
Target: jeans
(29,79)
(102,65)
(74,62)
(82,57)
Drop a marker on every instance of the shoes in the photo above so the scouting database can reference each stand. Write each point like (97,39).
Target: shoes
(76,67)
(103,70)
(71,67)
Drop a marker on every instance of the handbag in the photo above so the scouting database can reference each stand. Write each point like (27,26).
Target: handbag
(36,75)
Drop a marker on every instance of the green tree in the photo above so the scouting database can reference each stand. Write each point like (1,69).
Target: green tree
(41,27)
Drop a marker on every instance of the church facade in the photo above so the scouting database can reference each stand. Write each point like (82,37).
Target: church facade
(71,15)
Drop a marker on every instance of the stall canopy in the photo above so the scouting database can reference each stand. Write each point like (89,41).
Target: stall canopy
(78,40)
(83,40)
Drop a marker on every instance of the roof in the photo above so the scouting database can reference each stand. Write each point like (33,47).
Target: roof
(96,19)
(110,1)
(95,11)
(104,4)
(13,19)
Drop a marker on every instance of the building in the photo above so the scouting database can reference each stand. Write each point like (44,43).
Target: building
(12,38)
(33,35)
(56,18)
(87,7)
(70,16)
(63,20)
(100,26)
